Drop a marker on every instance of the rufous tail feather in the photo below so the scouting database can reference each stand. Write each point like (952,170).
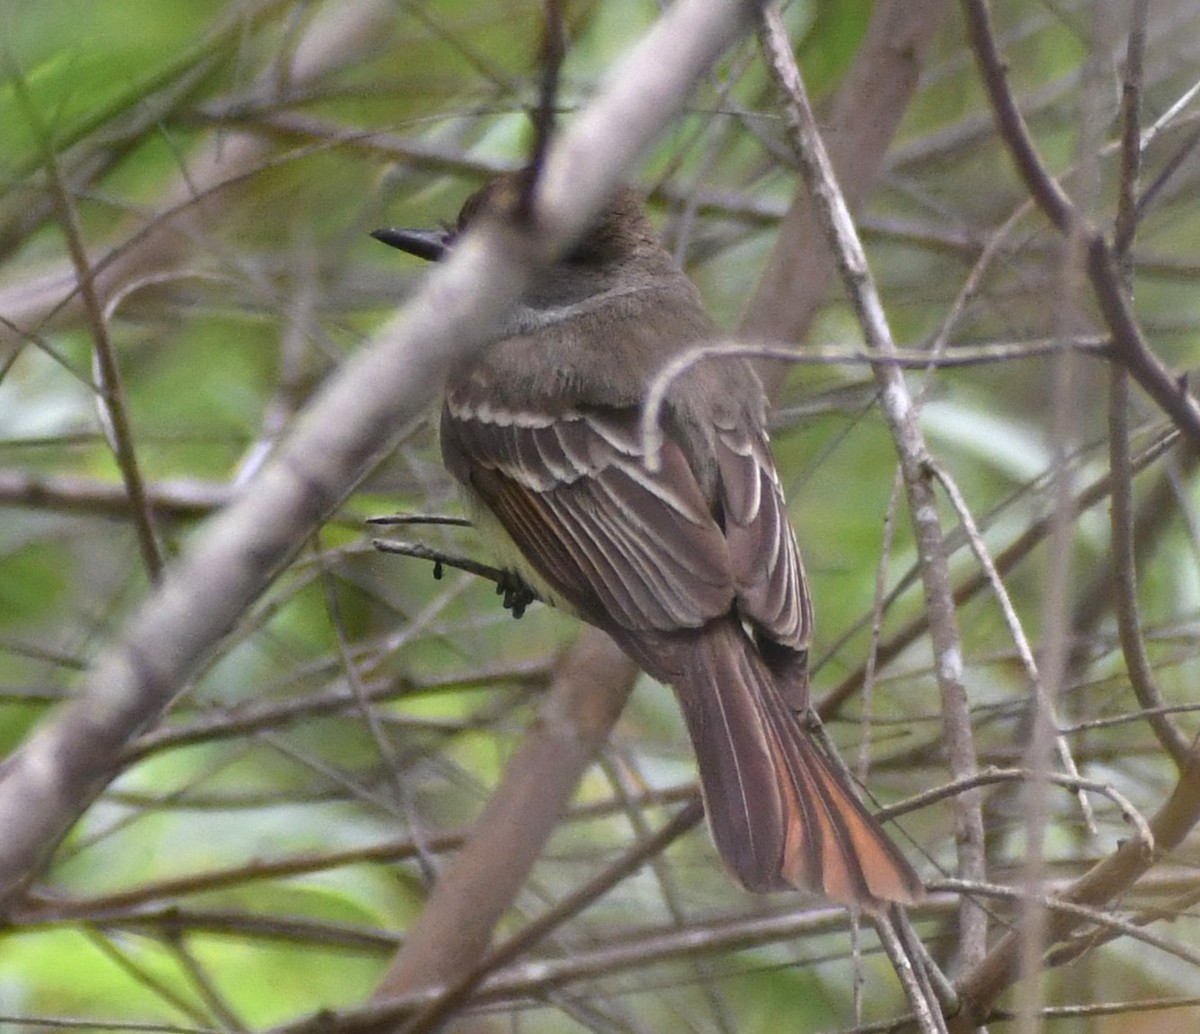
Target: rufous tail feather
(780,814)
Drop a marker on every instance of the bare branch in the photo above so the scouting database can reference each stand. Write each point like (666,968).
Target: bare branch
(56,773)
(114,409)
(901,416)
(1137,663)
(1132,349)
(982,984)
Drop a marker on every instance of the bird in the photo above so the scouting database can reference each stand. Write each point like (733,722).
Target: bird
(690,564)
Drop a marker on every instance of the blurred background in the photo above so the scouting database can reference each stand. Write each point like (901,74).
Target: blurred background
(267,846)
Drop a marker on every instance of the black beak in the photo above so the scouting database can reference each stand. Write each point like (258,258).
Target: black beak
(430,245)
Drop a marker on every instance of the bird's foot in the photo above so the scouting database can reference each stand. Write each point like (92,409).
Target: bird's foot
(516,592)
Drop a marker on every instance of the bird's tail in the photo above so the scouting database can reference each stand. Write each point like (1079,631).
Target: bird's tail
(780,814)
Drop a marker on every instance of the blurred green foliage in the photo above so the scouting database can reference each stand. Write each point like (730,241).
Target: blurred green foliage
(226,162)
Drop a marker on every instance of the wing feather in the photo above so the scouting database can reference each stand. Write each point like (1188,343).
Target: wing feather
(646,550)
(617,542)
(771,588)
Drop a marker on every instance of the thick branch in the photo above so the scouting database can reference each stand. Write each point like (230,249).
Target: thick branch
(470,897)
(59,770)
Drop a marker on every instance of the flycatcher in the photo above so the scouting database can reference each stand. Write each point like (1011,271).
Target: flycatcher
(692,568)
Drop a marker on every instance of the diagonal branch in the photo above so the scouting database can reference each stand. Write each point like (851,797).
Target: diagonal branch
(473,893)
(439,947)
(1130,347)
(901,416)
(864,118)
(1129,625)
(981,985)
(49,781)
(114,408)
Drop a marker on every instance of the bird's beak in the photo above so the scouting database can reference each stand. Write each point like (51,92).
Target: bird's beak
(430,245)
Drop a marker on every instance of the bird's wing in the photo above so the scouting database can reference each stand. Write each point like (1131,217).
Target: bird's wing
(771,588)
(618,542)
(645,548)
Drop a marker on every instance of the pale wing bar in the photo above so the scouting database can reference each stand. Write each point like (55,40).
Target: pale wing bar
(644,544)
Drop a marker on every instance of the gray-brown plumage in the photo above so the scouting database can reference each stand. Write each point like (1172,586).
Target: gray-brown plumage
(693,568)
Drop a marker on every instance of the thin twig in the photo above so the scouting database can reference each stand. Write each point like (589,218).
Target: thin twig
(1133,351)
(897,406)
(899,358)
(1129,625)
(420,518)
(1076,914)
(440,559)
(989,776)
(111,398)
(536,977)
(912,978)
(69,493)
(553,52)
(1005,561)
(980,985)
(878,603)
(1015,630)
